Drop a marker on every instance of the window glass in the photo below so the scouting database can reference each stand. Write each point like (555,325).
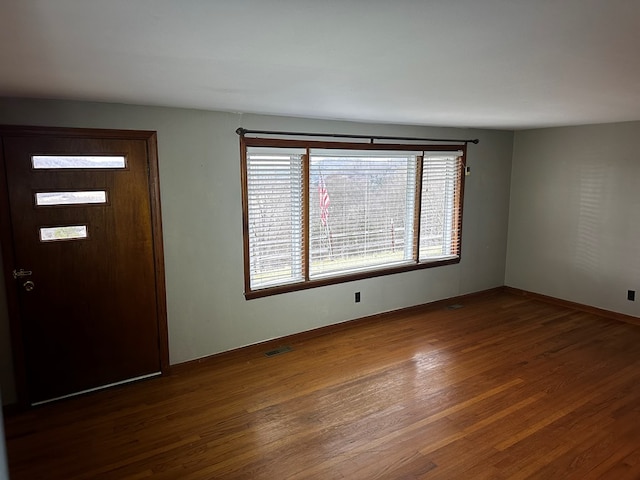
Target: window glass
(77,161)
(439,213)
(326,214)
(274,197)
(361,211)
(72,232)
(70,198)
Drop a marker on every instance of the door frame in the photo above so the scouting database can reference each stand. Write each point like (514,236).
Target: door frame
(7,247)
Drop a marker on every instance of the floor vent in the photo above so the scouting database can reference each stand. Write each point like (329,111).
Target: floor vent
(455,306)
(278,351)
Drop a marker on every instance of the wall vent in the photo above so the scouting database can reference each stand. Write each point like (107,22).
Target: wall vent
(278,351)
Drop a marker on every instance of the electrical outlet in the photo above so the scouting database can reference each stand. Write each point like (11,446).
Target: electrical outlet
(631,295)
(357,297)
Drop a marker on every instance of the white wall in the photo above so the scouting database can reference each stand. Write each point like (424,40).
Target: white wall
(202,221)
(574,223)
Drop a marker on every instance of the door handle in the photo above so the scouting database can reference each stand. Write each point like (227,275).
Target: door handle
(21,273)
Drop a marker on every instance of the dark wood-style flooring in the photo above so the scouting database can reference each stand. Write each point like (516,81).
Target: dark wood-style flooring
(504,387)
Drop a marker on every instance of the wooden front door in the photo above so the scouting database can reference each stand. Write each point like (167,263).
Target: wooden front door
(83,255)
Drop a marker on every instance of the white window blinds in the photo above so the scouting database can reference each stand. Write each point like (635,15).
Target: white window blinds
(274,202)
(360,210)
(440,206)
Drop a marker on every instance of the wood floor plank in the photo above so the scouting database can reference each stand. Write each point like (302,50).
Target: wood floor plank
(505,387)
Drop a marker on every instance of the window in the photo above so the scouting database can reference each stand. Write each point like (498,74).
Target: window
(54,234)
(317,213)
(55,162)
(76,197)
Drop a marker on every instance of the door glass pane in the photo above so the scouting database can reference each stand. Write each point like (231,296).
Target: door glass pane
(77,161)
(53,234)
(71,198)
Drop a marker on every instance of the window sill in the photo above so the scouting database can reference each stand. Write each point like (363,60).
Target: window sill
(334,279)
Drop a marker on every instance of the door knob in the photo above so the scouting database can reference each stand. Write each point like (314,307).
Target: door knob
(29,285)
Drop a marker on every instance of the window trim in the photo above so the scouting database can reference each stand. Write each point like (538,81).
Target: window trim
(349,277)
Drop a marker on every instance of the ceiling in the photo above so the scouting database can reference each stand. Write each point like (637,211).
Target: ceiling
(509,64)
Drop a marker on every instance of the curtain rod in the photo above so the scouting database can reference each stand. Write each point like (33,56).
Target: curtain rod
(244,131)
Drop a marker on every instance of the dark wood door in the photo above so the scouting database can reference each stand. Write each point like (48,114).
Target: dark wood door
(85,261)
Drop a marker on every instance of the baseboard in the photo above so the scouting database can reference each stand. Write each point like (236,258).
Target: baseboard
(576,306)
(258,349)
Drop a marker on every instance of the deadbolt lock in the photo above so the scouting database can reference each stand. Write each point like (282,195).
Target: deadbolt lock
(29,285)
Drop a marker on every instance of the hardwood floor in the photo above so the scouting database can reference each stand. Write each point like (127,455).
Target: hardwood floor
(505,387)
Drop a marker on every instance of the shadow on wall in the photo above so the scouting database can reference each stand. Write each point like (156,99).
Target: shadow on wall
(587,252)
